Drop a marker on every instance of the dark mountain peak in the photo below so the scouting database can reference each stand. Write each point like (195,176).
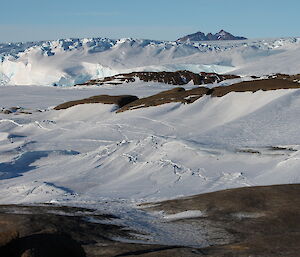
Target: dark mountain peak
(200,36)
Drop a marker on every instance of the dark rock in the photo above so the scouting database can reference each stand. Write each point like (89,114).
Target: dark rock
(6,111)
(104,99)
(200,36)
(60,231)
(174,78)
(259,221)
(264,221)
(179,94)
(170,96)
(7,234)
(255,85)
(43,245)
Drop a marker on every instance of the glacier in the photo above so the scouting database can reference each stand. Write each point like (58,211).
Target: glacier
(66,62)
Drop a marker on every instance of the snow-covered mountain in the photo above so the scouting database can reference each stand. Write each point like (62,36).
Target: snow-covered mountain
(73,61)
(200,36)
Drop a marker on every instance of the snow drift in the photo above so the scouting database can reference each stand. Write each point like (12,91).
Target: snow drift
(88,153)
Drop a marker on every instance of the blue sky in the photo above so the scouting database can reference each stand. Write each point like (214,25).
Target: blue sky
(156,19)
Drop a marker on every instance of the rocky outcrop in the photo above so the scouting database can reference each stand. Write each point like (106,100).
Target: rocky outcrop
(264,221)
(179,94)
(47,231)
(250,221)
(174,78)
(255,85)
(170,96)
(60,231)
(17,110)
(120,101)
(189,96)
(294,78)
(200,36)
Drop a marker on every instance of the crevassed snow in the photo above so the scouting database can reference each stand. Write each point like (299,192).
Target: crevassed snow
(70,61)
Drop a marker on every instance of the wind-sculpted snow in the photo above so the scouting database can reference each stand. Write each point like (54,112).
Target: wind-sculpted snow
(74,61)
(240,139)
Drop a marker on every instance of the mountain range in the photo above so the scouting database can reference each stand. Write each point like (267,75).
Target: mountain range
(67,62)
(200,36)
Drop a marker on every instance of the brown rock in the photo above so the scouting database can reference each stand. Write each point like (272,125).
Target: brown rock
(178,94)
(104,99)
(255,85)
(264,220)
(174,78)
(7,235)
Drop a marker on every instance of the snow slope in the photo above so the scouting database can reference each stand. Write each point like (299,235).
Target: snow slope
(88,153)
(91,156)
(70,61)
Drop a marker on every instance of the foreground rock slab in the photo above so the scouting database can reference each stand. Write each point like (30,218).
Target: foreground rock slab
(264,221)
(48,231)
(259,221)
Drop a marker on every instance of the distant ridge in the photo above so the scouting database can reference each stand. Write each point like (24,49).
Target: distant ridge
(200,36)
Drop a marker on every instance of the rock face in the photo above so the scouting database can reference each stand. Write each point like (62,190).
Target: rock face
(174,78)
(200,36)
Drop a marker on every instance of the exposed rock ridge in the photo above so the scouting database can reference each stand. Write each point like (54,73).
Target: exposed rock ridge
(182,77)
(119,100)
(179,94)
